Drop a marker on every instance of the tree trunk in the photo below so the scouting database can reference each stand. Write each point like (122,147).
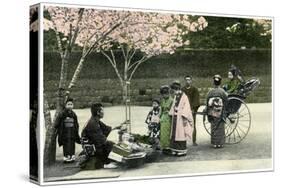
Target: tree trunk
(51,131)
(50,146)
(47,114)
(76,74)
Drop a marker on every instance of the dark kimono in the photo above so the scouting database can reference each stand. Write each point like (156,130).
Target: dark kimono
(68,131)
(97,132)
(216,104)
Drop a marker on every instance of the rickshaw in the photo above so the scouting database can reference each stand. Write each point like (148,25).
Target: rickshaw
(238,116)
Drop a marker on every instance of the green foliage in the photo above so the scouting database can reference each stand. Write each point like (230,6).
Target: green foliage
(247,34)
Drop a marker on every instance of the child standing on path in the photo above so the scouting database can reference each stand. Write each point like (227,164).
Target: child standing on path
(68,128)
(153,122)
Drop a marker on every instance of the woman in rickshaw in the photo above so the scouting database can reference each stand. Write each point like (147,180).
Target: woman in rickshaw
(235,79)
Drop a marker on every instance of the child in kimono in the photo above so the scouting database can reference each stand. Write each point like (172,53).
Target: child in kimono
(68,127)
(153,122)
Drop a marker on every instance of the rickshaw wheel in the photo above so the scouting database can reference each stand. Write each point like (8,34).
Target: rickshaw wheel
(236,132)
(237,122)
(230,124)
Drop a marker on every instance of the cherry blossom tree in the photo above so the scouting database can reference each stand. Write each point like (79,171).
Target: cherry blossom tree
(82,27)
(149,34)
(100,30)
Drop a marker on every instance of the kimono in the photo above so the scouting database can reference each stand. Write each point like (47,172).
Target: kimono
(68,131)
(153,121)
(231,86)
(97,132)
(216,111)
(165,122)
(182,123)
(194,100)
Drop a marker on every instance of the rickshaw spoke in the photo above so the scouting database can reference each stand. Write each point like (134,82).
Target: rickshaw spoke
(247,126)
(242,130)
(238,133)
(240,111)
(229,139)
(234,136)
(229,129)
(244,120)
(242,115)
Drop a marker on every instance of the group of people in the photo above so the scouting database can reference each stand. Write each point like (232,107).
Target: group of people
(171,122)
(95,131)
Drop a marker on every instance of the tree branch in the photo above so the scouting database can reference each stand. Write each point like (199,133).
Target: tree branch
(58,39)
(131,56)
(143,59)
(108,57)
(135,63)
(93,46)
(123,51)
(89,50)
(113,57)
(73,38)
(113,63)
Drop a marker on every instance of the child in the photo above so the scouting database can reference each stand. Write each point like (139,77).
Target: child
(68,127)
(153,122)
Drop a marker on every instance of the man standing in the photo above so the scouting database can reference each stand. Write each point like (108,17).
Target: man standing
(194,100)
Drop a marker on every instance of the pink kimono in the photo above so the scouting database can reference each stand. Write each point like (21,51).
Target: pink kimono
(182,118)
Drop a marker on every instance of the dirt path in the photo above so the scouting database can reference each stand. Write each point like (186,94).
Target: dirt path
(256,146)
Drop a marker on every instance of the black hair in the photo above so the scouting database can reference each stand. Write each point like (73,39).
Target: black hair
(95,108)
(176,85)
(69,99)
(156,100)
(217,80)
(217,83)
(188,76)
(164,89)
